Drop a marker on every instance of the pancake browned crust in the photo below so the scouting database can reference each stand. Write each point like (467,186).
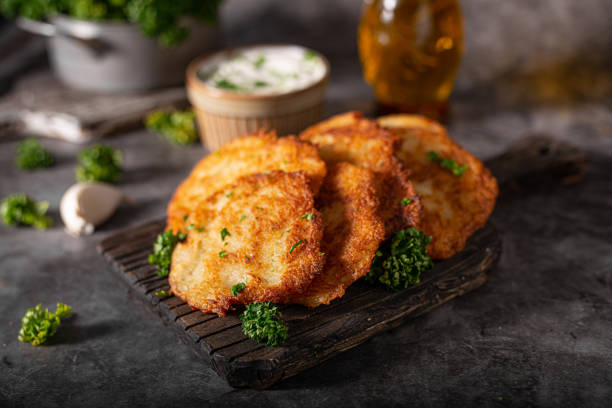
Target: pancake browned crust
(271,244)
(352,139)
(353,230)
(453,207)
(255,153)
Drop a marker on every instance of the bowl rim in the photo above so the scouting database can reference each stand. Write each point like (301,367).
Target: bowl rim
(192,80)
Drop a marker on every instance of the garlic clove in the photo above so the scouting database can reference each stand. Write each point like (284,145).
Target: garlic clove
(84,206)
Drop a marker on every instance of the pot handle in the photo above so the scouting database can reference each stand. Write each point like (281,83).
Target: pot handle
(36,27)
(87,38)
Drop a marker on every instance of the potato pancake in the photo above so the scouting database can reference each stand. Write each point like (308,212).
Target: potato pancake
(352,139)
(255,153)
(454,206)
(352,232)
(266,235)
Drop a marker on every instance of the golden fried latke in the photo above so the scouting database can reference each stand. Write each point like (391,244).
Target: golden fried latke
(453,207)
(260,235)
(352,232)
(352,139)
(255,153)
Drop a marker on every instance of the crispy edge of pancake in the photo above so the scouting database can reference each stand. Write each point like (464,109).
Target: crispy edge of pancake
(302,264)
(353,231)
(350,138)
(477,183)
(182,202)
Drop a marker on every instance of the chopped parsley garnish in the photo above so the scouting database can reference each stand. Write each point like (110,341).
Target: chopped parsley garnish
(176,126)
(399,262)
(307,216)
(185,217)
(259,61)
(162,294)
(247,259)
(321,253)
(296,245)
(261,322)
(226,84)
(260,84)
(99,163)
(238,288)
(162,251)
(222,254)
(310,55)
(225,233)
(38,325)
(228,195)
(242,217)
(20,209)
(405,201)
(449,164)
(32,155)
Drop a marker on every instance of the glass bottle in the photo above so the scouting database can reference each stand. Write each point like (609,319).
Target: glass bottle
(410,52)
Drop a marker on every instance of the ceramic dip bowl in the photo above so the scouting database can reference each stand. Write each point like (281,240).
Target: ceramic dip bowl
(240,90)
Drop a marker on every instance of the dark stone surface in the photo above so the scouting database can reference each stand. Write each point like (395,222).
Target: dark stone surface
(539,333)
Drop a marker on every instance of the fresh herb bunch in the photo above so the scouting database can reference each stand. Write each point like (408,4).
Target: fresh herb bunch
(400,261)
(32,155)
(156,18)
(262,323)
(99,163)
(38,325)
(162,251)
(19,209)
(177,127)
(449,164)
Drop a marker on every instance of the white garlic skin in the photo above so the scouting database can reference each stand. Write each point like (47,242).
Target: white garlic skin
(84,206)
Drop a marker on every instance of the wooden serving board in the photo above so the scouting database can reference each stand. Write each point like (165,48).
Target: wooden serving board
(316,335)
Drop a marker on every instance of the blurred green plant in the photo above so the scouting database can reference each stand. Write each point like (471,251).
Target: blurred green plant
(178,127)
(32,155)
(99,163)
(156,18)
(19,209)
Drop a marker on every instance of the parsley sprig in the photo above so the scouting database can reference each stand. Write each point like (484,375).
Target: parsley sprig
(19,209)
(32,155)
(238,288)
(38,325)
(262,323)
(448,163)
(400,261)
(162,251)
(99,163)
(178,127)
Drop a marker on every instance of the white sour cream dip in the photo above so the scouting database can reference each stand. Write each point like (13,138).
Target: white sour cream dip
(264,70)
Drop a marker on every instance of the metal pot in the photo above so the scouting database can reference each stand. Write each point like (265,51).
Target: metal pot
(116,56)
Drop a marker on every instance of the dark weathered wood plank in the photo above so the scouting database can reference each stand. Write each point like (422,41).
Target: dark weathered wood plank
(315,334)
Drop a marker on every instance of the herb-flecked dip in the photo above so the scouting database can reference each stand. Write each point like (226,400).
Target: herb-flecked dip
(264,70)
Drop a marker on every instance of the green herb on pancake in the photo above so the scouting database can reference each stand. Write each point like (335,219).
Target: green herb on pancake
(162,251)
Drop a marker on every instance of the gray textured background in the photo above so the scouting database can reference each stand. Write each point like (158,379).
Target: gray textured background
(538,334)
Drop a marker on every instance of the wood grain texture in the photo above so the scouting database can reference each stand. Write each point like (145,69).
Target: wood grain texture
(315,335)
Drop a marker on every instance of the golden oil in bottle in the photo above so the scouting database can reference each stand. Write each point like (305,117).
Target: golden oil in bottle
(410,52)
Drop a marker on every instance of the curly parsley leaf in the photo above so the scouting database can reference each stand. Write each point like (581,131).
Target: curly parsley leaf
(261,322)
(38,325)
(32,155)
(177,127)
(405,202)
(19,209)
(225,233)
(400,261)
(238,288)
(449,164)
(99,163)
(162,251)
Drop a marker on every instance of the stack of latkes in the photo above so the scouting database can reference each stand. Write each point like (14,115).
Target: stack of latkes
(299,219)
